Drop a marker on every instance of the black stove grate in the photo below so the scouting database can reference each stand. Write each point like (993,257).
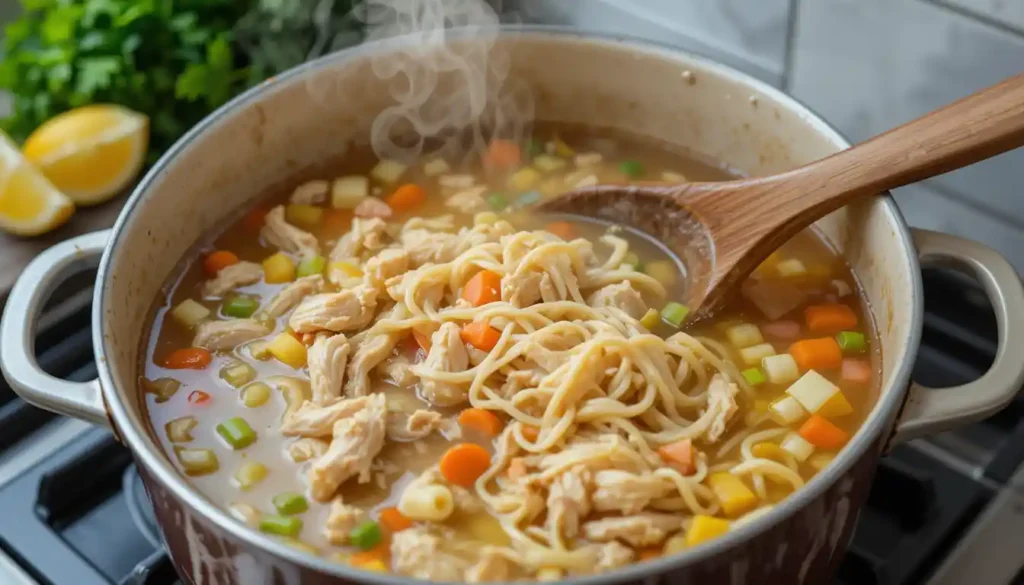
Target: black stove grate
(80,517)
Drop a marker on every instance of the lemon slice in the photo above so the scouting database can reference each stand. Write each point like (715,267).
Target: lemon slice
(90,153)
(29,203)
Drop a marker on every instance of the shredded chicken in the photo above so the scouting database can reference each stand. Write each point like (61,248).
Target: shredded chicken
(371,352)
(613,555)
(355,442)
(627,493)
(467,201)
(348,310)
(314,420)
(327,358)
(447,354)
(288,238)
(622,296)
(310,192)
(366,235)
(291,295)
(372,207)
(307,448)
(232,277)
(639,530)
(418,425)
(398,371)
(721,400)
(491,567)
(521,289)
(228,334)
(387,264)
(568,502)
(429,246)
(418,552)
(341,520)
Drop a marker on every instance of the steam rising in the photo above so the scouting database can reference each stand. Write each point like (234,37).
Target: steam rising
(452,95)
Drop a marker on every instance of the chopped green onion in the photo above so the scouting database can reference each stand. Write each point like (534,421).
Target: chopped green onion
(631,168)
(650,319)
(237,432)
(238,373)
(675,314)
(250,474)
(528,198)
(496,201)
(754,376)
(851,342)
(311,266)
(240,306)
(367,535)
(162,388)
(290,503)
(633,261)
(281,525)
(533,148)
(197,461)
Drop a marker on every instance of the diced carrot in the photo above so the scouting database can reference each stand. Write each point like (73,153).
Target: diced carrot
(483,288)
(829,319)
(502,154)
(464,463)
(393,520)
(198,397)
(219,260)
(856,371)
(422,339)
(531,433)
(817,354)
(255,219)
(821,433)
(335,222)
(782,330)
(406,198)
(189,358)
(680,456)
(377,553)
(562,229)
(516,468)
(482,421)
(480,335)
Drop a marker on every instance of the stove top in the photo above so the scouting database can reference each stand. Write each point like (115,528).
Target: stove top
(941,510)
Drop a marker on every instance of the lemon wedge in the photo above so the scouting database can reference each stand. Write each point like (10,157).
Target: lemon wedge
(29,203)
(90,153)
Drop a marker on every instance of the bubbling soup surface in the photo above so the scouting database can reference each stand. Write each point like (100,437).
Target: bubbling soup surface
(401,368)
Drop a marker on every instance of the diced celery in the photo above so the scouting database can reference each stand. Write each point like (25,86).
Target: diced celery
(304,216)
(290,503)
(162,388)
(347,192)
(797,446)
(548,163)
(236,432)
(288,350)
(523,179)
(744,335)
(311,266)
(663,271)
(367,535)
(238,374)
(179,430)
(436,167)
(753,355)
(650,319)
(632,168)
(197,461)
(388,171)
(250,474)
(189,313)
(496,201)
(781,369)
(240,306)
(278,268)
(851,342)
(281,525)
(675,314)
(753,376)
(255,395)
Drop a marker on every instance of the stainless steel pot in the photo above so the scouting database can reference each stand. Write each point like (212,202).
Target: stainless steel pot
(318,111)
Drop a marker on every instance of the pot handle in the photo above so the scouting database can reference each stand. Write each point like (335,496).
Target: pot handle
(933,410)
(82,400)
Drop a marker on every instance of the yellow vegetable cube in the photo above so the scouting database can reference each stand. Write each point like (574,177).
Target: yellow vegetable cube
(819,396)
(744,335)
(735,497)
(278,268)
(524,179)
(836,406)
(288,350)
(768,451)
(705,528)
(376,565)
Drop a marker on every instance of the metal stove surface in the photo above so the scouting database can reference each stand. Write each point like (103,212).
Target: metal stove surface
(942,511)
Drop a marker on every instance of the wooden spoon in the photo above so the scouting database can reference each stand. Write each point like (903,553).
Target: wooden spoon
(721,231)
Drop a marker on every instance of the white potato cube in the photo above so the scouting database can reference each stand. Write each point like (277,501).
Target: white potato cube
(347,192)
(436,167)
(812,391)
(780,369)
(744,335)
(797,446)
(786,411)
(388,171)
(753,355)
(791,267)
(189,313)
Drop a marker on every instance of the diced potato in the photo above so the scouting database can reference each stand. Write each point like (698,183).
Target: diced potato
(524,179)
(819,396)
(780,369)
(753,355)
(675,545)
(260,349)
(548,163)
(278,268)
(787,411)
(735,497)
(288,350)
(189,313)
(250,474)
(744,335)
(238,374)
(791,267)
(663,271)
(306,217)
(347,192)
(673,177)
(485,218)
(388,171)
(797,446)
(705,528)
(436,167)
(820,461)
(197,462)
(255,395)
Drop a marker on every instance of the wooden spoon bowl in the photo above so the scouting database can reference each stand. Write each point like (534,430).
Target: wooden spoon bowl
(721,231)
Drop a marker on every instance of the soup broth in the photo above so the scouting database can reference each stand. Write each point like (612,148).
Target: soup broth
(263,376)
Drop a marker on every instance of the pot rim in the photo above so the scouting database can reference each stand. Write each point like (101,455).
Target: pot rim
(132,429)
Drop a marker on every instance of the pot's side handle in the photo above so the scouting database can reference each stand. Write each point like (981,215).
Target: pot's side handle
(932,410)
(83,400)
